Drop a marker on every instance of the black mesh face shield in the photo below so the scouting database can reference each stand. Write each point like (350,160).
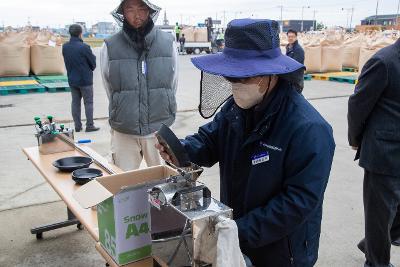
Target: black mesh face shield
(214,92)
(118,13)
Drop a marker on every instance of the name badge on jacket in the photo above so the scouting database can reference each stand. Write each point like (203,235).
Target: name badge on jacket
(260,158)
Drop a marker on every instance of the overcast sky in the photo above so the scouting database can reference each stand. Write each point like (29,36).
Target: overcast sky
(58,13)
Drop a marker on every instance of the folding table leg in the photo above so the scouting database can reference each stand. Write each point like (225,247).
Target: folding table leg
(38,231)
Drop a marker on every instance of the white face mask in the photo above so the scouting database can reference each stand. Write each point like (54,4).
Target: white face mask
(247,95)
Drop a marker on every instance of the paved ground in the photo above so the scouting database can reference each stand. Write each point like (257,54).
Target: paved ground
(26,200)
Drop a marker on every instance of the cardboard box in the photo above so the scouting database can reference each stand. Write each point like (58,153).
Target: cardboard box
(123,211)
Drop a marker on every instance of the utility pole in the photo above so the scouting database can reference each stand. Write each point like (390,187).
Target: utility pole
(376,12)
(281,18)
(349,11)
(314,22)
(224,25)
(397,15)
(351,18)
(302,17)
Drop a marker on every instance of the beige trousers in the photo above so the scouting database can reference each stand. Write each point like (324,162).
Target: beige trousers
(128,151)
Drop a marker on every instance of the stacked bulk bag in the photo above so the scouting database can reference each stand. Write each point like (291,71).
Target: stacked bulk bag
(351,51)
(332,53)
(370,48)
(201,35)
(189,33)
(15,53)
(283,42)
(313,56)
(46,55)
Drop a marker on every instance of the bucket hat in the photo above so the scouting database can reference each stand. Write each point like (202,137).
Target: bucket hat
(118,13)
(252,48)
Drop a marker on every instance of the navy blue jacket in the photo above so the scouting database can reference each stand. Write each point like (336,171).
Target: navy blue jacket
(274,179)
(80,62)
(296,52)
(374,113)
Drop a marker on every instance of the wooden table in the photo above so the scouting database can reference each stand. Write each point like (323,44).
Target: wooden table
(63,184)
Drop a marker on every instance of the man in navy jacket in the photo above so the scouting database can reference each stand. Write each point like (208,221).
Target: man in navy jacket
(274,149)
(295,51)
(80,64)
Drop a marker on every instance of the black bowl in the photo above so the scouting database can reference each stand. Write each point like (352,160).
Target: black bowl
(71,164)
(83,176)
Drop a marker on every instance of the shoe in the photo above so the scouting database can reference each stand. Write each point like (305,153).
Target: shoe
(77,130)
(361,246)
(396,242)
(92,129)
(366,264)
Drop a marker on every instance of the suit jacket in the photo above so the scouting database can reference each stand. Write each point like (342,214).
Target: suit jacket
(374,113)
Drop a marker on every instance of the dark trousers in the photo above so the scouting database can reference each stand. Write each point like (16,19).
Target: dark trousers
(382,216)
(177,36)
(85,92)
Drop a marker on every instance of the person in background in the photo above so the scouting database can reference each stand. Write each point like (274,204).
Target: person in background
(295,51)
(374,131)
(80,64)
(182,42)
(177,31)
(139,70)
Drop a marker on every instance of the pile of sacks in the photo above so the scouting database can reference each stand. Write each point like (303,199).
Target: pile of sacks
(331,51)
(25,52)
(194,34)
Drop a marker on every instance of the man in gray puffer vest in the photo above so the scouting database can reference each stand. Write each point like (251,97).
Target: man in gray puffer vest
(139,69)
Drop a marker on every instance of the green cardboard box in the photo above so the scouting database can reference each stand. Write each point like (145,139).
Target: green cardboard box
(123,211)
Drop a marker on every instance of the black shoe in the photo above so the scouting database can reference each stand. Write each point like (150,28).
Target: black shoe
(367,264)
(396,242)
(361,246)
(92,129)
(77,130)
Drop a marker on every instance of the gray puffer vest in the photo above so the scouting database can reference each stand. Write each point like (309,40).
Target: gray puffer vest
(142,94)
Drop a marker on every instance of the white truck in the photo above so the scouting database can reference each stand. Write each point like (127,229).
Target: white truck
(198,47)
(192,47)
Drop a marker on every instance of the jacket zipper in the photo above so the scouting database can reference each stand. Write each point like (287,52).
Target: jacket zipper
(291,257)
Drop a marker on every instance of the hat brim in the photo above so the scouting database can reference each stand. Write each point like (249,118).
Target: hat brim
(227,66)
(153,8)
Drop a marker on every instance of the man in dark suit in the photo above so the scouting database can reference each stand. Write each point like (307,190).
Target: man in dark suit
(80,64)
(374,130)
(295,51)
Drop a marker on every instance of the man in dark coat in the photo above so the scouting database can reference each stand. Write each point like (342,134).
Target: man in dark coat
(374,130)
(80,64)
(295,51)
(274,149)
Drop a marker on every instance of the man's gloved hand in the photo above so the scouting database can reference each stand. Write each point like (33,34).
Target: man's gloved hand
(161,149)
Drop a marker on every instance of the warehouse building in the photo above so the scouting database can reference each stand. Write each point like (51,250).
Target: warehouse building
(308,25)
(383,20)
